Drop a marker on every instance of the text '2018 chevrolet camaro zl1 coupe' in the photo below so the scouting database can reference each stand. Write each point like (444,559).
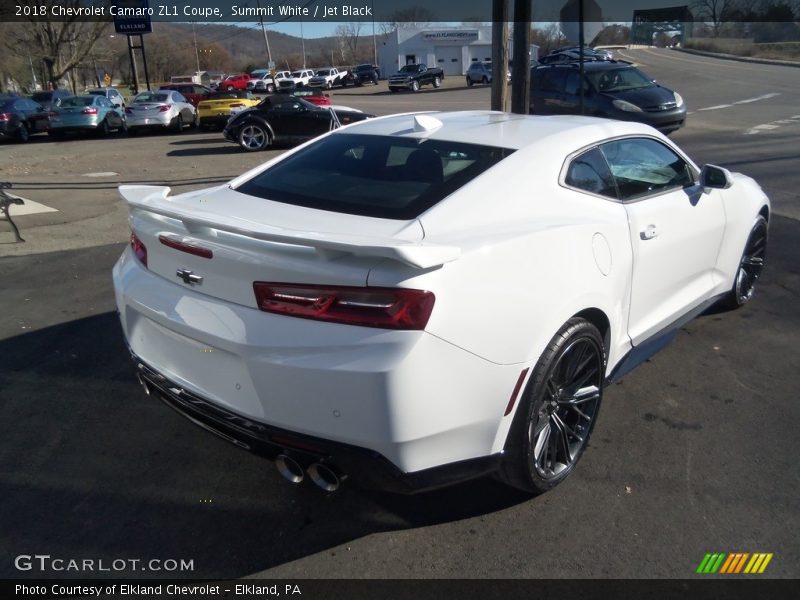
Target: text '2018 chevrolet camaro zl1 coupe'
(415,300)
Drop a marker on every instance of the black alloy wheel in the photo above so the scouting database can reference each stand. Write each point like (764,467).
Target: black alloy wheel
(750,266)
(23,135)
(557,411)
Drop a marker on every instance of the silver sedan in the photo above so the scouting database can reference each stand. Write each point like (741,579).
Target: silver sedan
(163,108)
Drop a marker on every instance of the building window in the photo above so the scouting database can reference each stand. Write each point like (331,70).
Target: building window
(453,60)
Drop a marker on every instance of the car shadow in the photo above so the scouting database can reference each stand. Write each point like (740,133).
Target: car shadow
(95,468)
(222,148)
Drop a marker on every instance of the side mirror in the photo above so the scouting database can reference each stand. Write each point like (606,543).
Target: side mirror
(712,176)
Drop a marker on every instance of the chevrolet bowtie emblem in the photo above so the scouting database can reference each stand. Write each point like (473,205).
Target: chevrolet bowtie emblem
(188,277)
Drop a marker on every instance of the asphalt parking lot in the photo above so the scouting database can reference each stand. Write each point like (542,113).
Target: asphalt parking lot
(693,452)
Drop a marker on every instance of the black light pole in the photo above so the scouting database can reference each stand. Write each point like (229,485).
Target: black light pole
(499,54)
(581,42)
(521,73)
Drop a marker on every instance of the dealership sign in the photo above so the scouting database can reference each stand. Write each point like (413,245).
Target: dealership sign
(451,36)
(132,17)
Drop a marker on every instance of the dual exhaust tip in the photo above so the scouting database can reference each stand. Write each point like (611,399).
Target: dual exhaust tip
(326,477)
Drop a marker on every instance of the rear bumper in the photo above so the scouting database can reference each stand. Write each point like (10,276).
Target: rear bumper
(367,468)
(214,121)
(408,397)
(154,121)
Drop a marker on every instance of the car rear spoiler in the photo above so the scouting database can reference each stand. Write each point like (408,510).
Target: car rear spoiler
(154,199)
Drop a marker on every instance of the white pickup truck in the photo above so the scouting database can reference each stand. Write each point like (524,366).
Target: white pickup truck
(328,77)
(297,79)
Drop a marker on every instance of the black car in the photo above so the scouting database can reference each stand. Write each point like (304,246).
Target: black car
(612,89)
(51,98)
(21,117)
(283,118)
(365,73)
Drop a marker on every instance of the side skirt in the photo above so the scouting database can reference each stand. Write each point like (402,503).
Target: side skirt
(657,342)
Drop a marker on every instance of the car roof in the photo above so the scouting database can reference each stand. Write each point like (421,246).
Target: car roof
(552,134)
(592,65)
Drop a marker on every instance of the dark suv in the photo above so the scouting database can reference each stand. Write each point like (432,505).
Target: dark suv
(615,90)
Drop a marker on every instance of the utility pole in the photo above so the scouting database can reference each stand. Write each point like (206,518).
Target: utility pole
(499,54)
(521,73)
(581,43)
(374,40)
(264,31)
(196,53)
(303,40)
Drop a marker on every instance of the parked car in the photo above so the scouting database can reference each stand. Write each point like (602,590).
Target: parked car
(481,72)
(193,92)
(214,111)
(337,309)
(86,113)
(613,90)
(50,98)
(283,118)
(235,82)
(21,117)
(366,73)
(315,96)
(262,82)
(111,93)
(413,77)
(165,109)
(298,79)
(328,77)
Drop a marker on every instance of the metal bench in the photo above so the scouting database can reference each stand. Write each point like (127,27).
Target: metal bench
(6,200)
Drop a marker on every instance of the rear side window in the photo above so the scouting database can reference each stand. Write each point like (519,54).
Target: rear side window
(590,172)
(374,176)
(550,80)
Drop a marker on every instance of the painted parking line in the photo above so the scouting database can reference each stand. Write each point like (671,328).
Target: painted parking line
(745,101)
(28,208)
(772,125)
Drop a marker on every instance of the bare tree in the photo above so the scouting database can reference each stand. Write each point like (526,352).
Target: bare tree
(348,34)
(61,44)
(715,12)
(414,16)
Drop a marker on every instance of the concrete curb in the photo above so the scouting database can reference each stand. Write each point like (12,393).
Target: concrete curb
(748,59)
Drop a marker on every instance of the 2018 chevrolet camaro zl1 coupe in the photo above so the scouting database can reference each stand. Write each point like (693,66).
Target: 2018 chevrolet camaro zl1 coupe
(419,299)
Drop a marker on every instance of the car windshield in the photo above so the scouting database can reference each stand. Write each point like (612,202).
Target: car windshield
(76,101)
(323,72)
(97,92)
(297,73)
(151,97)
(375,176)
(42,96)
(410,68)
(619,80)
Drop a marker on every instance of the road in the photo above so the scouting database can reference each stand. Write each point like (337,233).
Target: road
(693,452)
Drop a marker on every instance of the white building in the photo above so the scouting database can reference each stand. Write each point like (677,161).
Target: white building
(452,49)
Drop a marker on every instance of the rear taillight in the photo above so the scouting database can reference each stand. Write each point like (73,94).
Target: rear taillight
(387,308)
(89,111)
(165,108)
(185,247)
(139,249)
(5,116)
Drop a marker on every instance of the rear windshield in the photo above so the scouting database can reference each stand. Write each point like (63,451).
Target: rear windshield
(76,101)
(151,97)
(42,96)
(374,176)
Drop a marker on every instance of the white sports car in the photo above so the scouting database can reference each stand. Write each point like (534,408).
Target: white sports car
(419,299)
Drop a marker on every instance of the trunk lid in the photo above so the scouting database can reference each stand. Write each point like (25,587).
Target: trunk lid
(251,239)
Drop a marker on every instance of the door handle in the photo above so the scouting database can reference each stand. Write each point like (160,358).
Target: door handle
(649,232)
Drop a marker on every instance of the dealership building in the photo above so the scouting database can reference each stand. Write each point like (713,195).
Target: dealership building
(450,49)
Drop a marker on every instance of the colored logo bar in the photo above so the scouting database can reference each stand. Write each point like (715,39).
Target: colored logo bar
(734,563)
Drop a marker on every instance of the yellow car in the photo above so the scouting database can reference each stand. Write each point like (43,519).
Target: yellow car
(215,110)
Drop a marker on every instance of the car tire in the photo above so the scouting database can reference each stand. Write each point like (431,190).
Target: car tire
(254,137)
(56,134)
(415,86)
(178,125)
(103,129)
(393,90)
(557,410)
(123,129)
(484,80)
(23,135)
(470,83)
(270,88)
(230,88)
(437,83)
(751,265)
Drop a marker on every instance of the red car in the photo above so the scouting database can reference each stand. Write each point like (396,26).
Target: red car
(191,91)
(315,96)
(235,82)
